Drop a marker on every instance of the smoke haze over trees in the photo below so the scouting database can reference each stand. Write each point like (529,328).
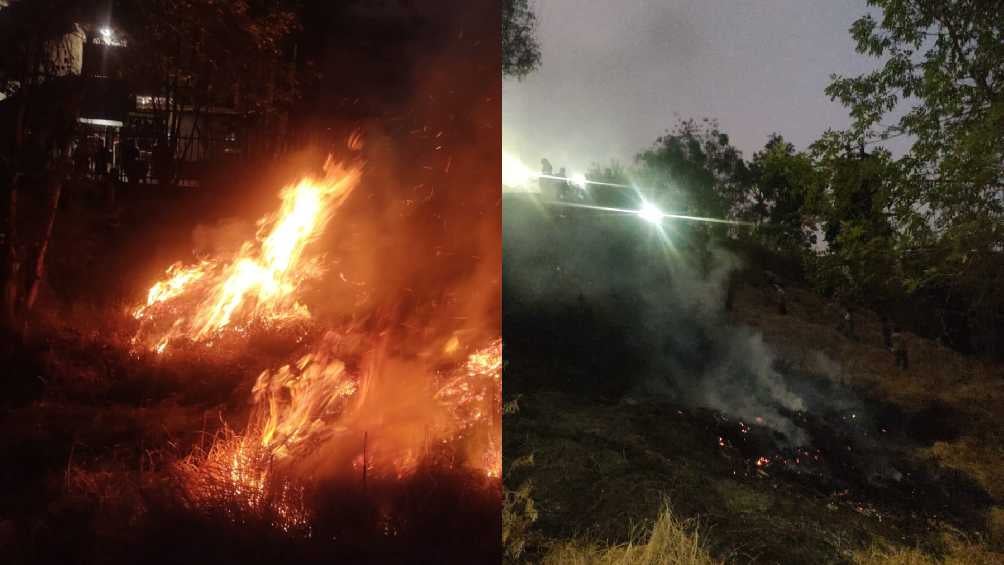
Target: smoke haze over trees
(870,227)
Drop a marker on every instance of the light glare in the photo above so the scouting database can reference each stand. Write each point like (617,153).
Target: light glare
(650,213)
(514,172)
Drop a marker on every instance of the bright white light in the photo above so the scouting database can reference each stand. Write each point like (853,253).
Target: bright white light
(514,172)
(651,213)
(101,122)
(579,180)
(106,32)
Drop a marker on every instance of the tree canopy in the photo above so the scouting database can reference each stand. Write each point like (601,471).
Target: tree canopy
(695,169)
(942,71)
(871,227)
(780,185)
(520,50)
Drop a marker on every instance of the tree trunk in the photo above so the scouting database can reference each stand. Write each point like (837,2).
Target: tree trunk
(55,186)
(12,267)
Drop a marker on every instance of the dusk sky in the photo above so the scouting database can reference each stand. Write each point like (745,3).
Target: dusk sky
(616,74)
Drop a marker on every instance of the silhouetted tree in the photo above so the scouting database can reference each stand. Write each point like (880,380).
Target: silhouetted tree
(695,169)
(195,54)
(852,198)
(37,122)
(520,50)
(199,52)
(780,180)
(946,60)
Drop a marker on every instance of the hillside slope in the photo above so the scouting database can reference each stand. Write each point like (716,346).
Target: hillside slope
(911,460)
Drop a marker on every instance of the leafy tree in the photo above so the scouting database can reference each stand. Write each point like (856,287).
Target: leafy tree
(36,52)
(943,61)
(202,53)
(613,196)
(520,50)
(781,178)
(852,195)
(694,169)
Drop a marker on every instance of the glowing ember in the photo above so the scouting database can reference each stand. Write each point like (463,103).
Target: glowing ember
(473,393)
(234,478)
(305,405)
(259,284)
(487,362)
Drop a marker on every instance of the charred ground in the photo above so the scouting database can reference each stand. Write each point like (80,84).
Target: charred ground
(891,457)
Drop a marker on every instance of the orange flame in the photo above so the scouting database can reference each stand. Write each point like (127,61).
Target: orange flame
(298,408)
(352,403)
(260,284)
(298,404)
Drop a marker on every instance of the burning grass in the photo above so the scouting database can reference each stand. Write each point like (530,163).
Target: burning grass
(374,396)
(403,467)
(309,422)
(234,477)
(260,283)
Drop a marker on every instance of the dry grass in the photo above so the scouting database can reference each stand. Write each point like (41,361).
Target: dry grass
(518,516)
(235,478)
(957,552)
(518,510)
(670,541)
(980,460)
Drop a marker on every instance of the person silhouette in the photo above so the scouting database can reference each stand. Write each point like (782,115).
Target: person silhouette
(546,183)
(563,187)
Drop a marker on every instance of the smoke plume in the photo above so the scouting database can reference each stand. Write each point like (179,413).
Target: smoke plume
(649,308)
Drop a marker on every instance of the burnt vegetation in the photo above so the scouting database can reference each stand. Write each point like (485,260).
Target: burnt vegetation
(601,414)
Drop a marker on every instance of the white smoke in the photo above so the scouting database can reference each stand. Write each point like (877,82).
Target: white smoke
(667,300)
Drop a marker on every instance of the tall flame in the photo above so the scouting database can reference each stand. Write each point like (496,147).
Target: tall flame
(260,283)
(360,402)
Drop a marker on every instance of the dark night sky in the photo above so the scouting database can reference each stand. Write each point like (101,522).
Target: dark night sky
(375,57)
(615,74)
(361,52)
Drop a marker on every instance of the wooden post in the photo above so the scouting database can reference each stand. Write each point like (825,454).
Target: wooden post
(12,272)
(38,268)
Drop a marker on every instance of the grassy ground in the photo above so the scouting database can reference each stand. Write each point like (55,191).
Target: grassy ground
(603,468)
(669,541)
